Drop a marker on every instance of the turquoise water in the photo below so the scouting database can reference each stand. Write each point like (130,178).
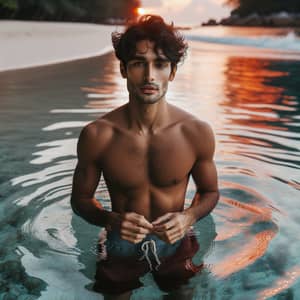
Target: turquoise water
(251,101)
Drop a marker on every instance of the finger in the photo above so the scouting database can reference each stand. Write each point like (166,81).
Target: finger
(176,235)
(132,237)
(145,224)
(131,227)
(134,227)
(166,226)
(139,220)
(162,219)
(132,234)
(174,238)
(166,238)
(175,230)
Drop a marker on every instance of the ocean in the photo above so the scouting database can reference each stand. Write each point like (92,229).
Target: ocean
(245,82)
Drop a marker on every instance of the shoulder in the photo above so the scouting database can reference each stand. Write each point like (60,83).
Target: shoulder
(190,124)
(97,135)
(94,138)
(95,130)
(198,129)
(200,135)
(104,127)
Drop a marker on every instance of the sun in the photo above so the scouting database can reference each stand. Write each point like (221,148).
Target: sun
(140,11)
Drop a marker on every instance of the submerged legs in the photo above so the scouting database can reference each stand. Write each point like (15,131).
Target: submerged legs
(124,296)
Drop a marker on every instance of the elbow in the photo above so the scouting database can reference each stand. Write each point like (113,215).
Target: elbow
(74,207)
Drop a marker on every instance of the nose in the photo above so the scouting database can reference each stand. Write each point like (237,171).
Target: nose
(149,72)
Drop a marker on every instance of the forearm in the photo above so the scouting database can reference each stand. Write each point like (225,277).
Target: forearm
(203,203)
(91,211)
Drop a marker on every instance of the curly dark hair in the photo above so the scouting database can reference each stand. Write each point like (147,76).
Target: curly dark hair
(153,28)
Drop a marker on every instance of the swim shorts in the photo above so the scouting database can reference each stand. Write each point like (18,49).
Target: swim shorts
(122,263)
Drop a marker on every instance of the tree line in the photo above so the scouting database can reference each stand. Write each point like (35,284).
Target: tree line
(263,7)
(95,11)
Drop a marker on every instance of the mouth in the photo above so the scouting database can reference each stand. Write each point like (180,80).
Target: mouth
(149,89)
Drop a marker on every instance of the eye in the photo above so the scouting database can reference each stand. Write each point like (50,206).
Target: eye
(161,64)
(138,64)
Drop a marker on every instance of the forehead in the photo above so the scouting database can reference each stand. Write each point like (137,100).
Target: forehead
(147,48)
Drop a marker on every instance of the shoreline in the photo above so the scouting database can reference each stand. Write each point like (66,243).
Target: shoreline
(26,44)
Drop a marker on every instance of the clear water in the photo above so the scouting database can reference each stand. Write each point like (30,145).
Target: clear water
(252,102)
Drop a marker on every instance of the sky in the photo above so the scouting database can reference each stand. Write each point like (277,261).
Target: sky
(187,12)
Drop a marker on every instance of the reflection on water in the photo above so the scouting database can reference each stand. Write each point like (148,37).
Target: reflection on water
(253,106)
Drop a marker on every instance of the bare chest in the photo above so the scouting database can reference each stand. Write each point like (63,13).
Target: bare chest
(161,160)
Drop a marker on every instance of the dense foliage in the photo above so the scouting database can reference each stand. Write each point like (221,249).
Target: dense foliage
(264,7)
(96,11)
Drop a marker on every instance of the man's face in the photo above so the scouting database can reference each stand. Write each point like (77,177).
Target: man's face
(148,74)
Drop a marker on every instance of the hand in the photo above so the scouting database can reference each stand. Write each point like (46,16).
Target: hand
(132,226)
(171,227)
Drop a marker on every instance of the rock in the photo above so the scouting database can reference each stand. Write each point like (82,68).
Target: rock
(251,20)
(16,290)
(282,19)
(230,20)
(34,285)
(13,270)
(210,22)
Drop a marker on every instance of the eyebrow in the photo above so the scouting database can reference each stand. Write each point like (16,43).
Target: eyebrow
(140,57)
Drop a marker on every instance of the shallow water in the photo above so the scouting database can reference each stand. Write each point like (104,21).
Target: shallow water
(253,105)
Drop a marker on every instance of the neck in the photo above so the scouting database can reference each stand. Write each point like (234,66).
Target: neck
(147,118)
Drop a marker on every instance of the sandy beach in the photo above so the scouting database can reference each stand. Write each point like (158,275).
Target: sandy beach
(30,44)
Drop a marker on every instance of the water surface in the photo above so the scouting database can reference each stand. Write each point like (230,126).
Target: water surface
(252,103)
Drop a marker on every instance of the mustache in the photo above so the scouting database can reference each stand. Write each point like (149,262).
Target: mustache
(150,85)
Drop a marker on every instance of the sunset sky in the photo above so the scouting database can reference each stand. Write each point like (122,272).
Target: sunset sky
(187,11)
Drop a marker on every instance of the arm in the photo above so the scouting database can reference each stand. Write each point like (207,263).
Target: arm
(91,145)
(204,174)
(207,194)
(175,225)
(86,178)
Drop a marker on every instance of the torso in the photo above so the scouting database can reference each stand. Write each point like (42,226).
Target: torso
(148,174)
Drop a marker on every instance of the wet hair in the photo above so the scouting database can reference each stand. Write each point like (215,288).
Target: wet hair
(153,28)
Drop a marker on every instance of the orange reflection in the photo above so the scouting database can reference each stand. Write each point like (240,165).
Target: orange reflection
(237,186)
(264,213)
(251,96)
(247,79)
(246,255)
(283,283)
(237,219)
(236,211)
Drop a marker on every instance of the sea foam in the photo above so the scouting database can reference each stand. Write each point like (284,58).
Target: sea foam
(289,42)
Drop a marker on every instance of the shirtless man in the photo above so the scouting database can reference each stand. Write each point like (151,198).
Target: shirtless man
(146,150)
